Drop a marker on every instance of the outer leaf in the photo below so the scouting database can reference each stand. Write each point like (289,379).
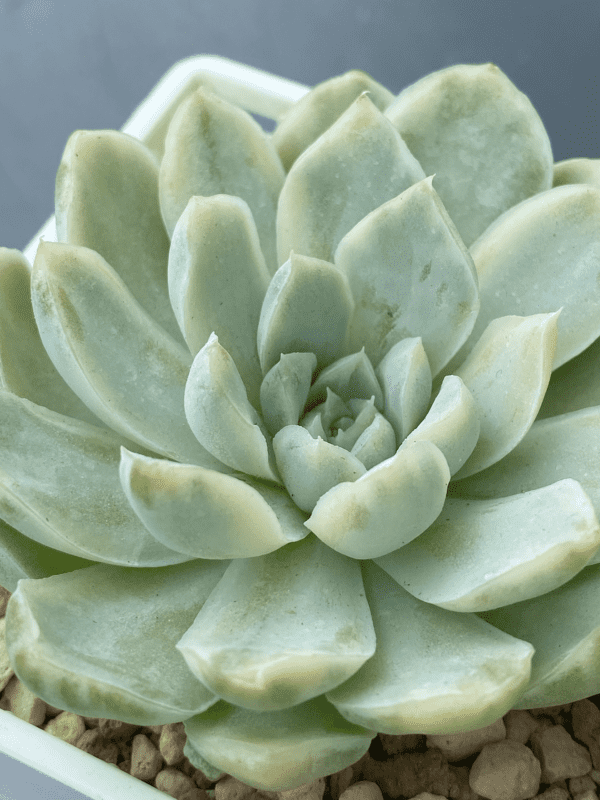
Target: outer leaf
(452,423)
(385,508)
(575,385)
(220,416)
(206,514)
(231,154)
(278,750)
(483,554)
(507,373)
(310,467)
(577,170)
(59,485)
(306,308)
(563,627)
(107,199)
(561,447)
(314,113)
(111,353)
(218,279)
(410,275)
(402,688)
(282,628)
(482,138)
(542,255)
(111,654)
(22,557)
(359,163)
(25,368)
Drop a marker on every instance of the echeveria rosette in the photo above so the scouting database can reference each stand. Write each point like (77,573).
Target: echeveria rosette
(293,417)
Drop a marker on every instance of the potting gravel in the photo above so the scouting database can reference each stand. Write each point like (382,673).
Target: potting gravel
(551,753)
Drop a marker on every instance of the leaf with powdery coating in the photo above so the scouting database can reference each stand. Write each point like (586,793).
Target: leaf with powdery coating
(314,113)
(112,653)
(482,138)
(231,154)
(354,167)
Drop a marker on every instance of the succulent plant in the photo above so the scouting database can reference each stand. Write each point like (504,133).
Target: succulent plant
(300,431)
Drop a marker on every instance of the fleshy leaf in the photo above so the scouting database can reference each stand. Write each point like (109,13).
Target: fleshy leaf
(575,385)
(284,390)
(25,368)
(554,449)
(542,255)
(278,750)
(22,557)
(59,485)
(564,629)
(230,154)
(306,308)
(206,514)
(114,356)
(481,136)
(222,418)
(577,170)
(282,628)
(405,378)
(112,653)
(507,373)
(218,279)
(483,554)
(387,507)
(310,467)
(376,443)
(452,423)
(410,275)
(402,689)
(314,113)
(349,377)
(106,199)
(359,163)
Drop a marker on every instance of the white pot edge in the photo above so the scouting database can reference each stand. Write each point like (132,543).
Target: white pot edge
(262,93)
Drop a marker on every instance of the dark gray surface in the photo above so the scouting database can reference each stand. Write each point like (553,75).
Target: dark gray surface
(68,64)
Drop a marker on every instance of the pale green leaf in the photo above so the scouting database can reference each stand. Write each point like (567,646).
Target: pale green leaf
(434,671)
(481,136)
(411,276)
(507,374)
(282,628)
(387,507)
(314,113)
(112,652)
(483,554)
(563,627)
(278,750)
(577,170)
(213,147)
(284,390)
(59,485)
(206,514)
(221,417)
(306,308)
(218,279)
(113,355)
(359,163)
(349,377)
(106,199)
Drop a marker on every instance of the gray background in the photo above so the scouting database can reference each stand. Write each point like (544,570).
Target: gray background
(69,64)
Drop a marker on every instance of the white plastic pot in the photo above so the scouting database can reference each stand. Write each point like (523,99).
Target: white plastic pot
(260,93)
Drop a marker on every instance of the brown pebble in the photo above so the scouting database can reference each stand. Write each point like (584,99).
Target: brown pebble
(178,785)
(23,703)
(66,726)
(171,743)
(4,598)
(146,761)
(94,743)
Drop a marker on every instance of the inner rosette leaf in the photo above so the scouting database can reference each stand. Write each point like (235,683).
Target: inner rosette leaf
(284,390)
(410,275)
